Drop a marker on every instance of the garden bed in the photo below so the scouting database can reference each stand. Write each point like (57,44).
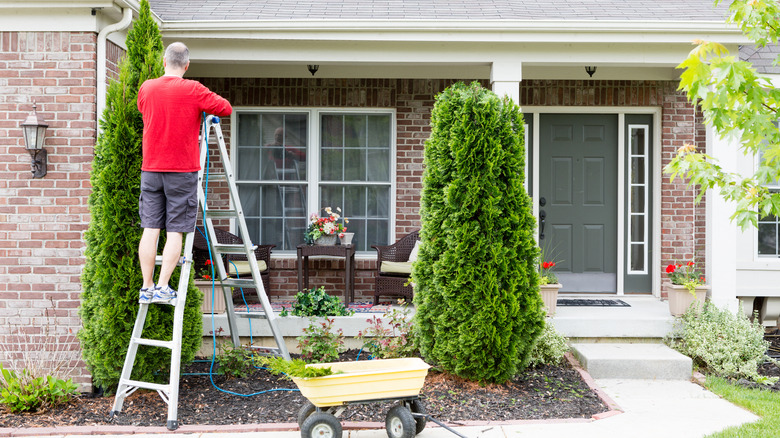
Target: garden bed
(545,392)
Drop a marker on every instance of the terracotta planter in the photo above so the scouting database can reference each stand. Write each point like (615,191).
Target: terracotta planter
(550,297)
(219,297)
(680,299)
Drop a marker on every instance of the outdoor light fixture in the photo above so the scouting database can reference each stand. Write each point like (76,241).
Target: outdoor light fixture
(313,68)
(34,128)
(590,70)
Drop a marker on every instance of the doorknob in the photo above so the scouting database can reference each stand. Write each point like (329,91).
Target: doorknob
(542,217)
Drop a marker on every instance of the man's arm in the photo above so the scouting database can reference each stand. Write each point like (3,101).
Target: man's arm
(213,103)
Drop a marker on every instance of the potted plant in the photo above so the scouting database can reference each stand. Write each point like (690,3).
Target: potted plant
(204,283)
(687,286)
(548,287)
(323,230)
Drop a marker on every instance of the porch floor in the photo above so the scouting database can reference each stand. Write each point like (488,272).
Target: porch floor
(647,318)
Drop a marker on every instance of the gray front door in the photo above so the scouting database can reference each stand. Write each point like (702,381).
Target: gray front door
(578,180)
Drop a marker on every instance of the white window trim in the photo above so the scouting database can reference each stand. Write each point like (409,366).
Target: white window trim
(312,165)
(646,202)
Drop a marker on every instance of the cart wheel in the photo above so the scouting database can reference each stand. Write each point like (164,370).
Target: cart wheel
(418,408)
(321,425)
(400,423)
(305,411)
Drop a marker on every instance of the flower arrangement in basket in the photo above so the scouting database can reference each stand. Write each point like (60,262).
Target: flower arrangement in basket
(327,225)
(685,275)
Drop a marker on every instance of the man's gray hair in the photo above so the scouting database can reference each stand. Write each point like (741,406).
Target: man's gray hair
(177,55)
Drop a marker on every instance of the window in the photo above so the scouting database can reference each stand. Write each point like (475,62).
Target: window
(292,163)
(638,192)
(768,226)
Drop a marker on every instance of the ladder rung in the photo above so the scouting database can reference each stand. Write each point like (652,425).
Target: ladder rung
(234,248)
(253,314)
(218,176)
(239,282)
(146,385)
(221,213)
(153,342)
(158,260)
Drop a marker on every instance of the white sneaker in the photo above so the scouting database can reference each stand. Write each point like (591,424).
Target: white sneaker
(145,295)
(164,295)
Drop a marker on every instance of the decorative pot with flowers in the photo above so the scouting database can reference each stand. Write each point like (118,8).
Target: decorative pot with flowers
(323,230)
(548,287)
(213,296)
(687,286)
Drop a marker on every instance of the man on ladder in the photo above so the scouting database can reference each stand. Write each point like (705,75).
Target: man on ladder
(171,107)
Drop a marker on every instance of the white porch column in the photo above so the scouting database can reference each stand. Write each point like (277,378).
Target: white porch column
(721,231)
(505,77)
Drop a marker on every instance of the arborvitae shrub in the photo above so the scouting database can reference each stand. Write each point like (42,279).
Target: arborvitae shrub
(112,274)
(476,283)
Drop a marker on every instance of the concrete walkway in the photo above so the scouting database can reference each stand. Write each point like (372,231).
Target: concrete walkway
(654,409)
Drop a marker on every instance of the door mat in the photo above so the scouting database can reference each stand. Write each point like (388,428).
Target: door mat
(592,303)
(357,306)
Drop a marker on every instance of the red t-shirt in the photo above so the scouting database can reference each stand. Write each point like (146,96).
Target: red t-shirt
(172,108)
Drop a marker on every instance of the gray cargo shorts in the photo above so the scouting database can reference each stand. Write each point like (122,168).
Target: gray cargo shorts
(169,200)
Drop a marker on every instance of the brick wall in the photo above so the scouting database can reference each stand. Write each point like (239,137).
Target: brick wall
(413,101)
(683,223)
(42,220)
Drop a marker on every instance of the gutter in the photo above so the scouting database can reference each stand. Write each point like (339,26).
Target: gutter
(127,18)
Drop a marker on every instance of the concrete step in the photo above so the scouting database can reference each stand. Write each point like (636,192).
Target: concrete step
(646,318)
(633,361)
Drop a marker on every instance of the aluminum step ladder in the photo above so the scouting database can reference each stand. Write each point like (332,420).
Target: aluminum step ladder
(170,391)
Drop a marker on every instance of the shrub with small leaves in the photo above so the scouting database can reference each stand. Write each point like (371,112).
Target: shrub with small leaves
(319,343)
(391,341)
(233,362)
(317,302)
(723,343)
(549,348)
(23,392)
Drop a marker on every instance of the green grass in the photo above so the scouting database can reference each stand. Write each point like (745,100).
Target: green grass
(765,404)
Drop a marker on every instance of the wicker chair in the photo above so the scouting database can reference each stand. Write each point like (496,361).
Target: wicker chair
(389,283)
(200,253)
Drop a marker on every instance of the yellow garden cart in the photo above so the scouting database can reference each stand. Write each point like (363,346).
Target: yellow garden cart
(362,382)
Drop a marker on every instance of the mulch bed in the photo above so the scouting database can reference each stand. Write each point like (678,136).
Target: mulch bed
(545,392)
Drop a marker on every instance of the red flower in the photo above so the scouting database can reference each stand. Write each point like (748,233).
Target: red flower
(690,263)
(670,269)
(208,262)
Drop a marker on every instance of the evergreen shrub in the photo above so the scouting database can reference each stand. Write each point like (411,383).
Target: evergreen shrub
(112,273)
(476,282)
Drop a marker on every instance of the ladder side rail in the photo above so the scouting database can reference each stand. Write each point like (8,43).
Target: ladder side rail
(132,350)
(178,328)
(208,226)
(249,247)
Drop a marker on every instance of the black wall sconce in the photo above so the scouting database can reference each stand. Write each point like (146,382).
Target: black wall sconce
(34,128)
(313,68)
(590,70)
